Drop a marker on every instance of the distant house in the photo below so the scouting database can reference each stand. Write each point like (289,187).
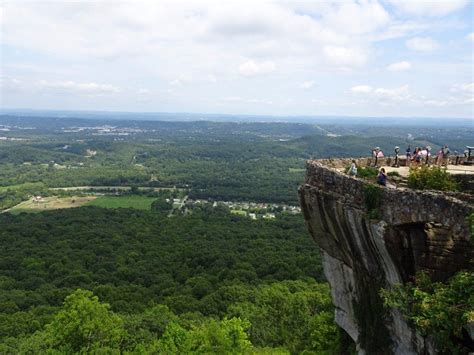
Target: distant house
(90,153)
(37,199)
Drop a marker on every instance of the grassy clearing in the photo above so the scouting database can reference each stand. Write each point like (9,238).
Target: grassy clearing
(51,203)
(239,212)
(137,202)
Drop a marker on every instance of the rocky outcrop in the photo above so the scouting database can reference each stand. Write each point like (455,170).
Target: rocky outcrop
(371,238)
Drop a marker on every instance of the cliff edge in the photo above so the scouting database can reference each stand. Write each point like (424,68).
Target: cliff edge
(374,237)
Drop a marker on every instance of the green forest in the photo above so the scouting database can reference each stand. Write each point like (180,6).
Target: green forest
(208,282)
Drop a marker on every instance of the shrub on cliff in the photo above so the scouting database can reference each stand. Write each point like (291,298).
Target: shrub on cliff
(441,310)
(367,172)
(431,178)
(372,196)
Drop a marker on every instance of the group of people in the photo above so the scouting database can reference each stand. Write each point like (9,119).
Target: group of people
(422,154)
(419,156)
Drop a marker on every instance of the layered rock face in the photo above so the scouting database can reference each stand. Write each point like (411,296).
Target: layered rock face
(377,237)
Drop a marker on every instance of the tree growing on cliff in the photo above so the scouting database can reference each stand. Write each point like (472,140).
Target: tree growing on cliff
(442,310)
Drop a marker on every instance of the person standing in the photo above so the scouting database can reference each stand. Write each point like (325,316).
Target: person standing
(375,156)
(439,157)
(397,151)
(417,155)
(428,155)
(408,154)
(445,153)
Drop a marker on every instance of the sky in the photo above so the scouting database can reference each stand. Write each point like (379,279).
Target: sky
(405,58)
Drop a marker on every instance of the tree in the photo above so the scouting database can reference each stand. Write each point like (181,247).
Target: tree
(228,336)
(84,324)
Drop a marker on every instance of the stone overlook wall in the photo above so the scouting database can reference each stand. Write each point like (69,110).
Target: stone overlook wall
(385,161)
(408,231)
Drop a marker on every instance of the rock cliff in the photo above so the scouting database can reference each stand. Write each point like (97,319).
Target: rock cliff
(372,238)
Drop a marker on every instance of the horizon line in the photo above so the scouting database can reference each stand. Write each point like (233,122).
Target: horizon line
(307,116)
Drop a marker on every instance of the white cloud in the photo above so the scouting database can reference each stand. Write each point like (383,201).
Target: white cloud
(434,8)
(399,66)
(422,44)
(470,37)
(382,95)
(464,93)
(211,78)
(232,99)
(194,52)
(436,103)
(181,80)
(208,37)
(307,84)
(361,89)
(345,56)
(260,101)
(358,17)
(401,93)
(461,95)
(465,88)
(253,68)
(88,88)
(251,101)
(143,91)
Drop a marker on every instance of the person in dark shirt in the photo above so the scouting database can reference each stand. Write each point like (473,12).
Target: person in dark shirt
(408,153)
(382,177)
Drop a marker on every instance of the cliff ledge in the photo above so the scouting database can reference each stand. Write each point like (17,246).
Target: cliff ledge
(372,238)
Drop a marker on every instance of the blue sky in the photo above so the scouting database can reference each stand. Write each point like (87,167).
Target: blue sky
(352,58)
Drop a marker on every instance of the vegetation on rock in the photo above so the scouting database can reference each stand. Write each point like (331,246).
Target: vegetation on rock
(372,195)
(431,178)
(441,310)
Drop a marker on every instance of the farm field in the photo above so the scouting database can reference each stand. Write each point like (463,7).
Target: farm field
(51,203)
(137,202)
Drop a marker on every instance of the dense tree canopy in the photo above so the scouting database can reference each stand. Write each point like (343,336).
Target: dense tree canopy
(205,282)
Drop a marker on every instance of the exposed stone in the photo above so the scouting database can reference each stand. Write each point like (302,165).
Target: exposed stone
(412,231)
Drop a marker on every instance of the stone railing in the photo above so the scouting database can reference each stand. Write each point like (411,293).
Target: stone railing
(339,163)
(398,205)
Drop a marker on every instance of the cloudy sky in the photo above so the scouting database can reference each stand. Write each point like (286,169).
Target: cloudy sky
(358,58)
